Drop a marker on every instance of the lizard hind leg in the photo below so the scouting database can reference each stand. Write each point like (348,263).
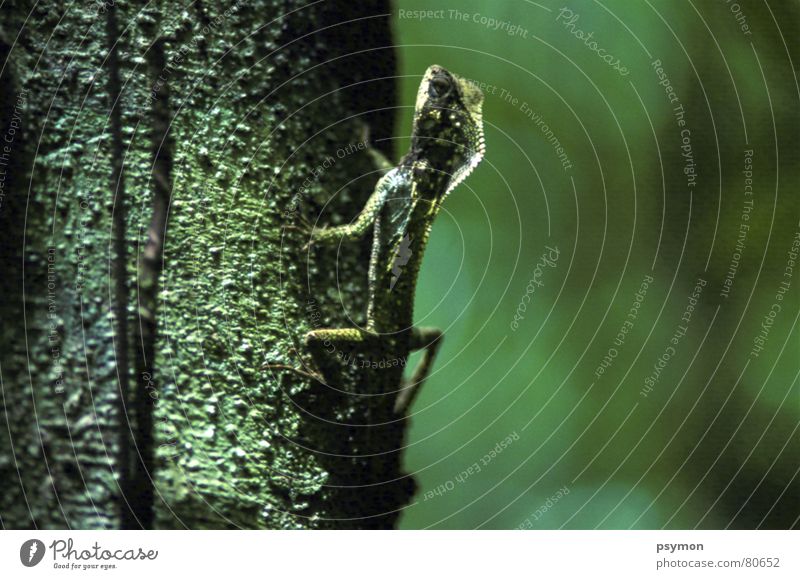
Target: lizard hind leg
(429,339)
(328,341)
(331,348)
(328,345)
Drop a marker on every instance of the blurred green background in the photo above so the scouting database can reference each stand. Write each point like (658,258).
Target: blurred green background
(517,427)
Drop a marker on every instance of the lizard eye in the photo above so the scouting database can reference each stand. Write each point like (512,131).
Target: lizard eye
(439,87)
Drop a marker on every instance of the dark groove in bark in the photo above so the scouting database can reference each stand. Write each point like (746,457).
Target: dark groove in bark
(150,265)
(118,269)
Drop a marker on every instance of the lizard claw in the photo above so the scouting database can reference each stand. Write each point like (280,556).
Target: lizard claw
(310,375)
(315,234)
(363,127)
(307,245)
(305,227)
(305,222)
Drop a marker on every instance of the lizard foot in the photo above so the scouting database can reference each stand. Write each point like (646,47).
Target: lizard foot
(310,375)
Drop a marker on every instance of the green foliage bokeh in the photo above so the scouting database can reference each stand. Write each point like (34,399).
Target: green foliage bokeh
(713,442)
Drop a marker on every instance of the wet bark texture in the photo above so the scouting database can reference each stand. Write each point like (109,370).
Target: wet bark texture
(153,154)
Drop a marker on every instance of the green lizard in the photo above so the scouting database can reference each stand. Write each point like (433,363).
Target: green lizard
(446,145)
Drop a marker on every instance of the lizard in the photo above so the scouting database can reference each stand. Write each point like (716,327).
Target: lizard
(447,143)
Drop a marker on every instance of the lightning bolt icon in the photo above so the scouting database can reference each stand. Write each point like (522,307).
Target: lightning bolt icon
(404,253)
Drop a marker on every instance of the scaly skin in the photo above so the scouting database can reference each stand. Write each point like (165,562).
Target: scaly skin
(446,145)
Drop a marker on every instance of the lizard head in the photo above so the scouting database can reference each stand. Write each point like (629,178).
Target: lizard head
(447,137)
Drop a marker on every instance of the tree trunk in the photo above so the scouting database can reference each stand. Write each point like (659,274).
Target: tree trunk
(153,156)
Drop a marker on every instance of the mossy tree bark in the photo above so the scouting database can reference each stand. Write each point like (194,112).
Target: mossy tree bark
(157,153)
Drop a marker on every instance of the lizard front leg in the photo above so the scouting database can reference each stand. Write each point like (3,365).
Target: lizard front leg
(355,230)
